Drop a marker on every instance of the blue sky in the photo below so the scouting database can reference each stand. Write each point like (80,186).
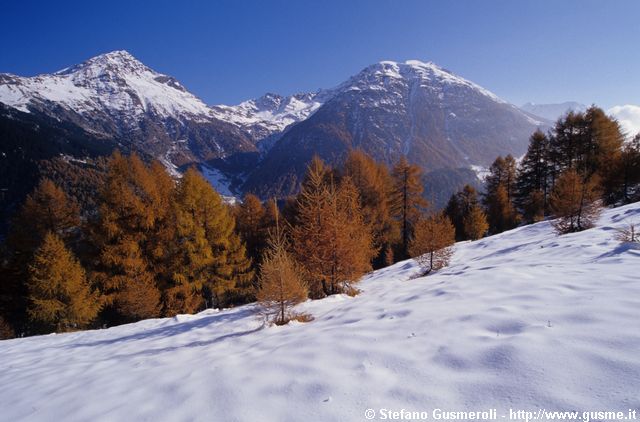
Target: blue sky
(228,51)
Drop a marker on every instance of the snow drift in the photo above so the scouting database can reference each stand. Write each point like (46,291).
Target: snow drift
(522,320)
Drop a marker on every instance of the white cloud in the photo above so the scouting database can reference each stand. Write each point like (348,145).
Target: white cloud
(628,116)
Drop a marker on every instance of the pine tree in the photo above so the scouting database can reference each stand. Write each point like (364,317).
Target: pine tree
(406,201)
(532,185)
(59,295)
(281,285)
(475,223)
(574,203)
(568,144)
(590,143)
(459,207)
(629,169)
(431,244)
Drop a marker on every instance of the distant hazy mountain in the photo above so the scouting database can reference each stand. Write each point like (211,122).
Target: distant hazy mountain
(553,111)
(442,122)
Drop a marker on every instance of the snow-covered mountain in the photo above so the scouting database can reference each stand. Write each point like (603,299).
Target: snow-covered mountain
(553,111)
(524,320)
(271,114)
(441,121)
(445,123)
(115,83)
(116,94)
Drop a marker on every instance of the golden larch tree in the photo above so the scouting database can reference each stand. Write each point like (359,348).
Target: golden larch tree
(406,201)
(281,283)
(59,295)
(575,203)
(475,223)
(431,245)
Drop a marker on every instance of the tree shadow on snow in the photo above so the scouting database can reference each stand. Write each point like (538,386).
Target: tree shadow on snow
(620,249)
(178,328)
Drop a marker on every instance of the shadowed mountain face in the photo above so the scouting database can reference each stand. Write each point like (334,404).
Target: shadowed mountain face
(440,121)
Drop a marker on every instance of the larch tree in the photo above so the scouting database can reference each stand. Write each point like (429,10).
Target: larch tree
(432,242)
(59,295)
(309,232)
(475,223)
(210,261)
(351,240)
(330,238)
(373,182)
(406,201)
(131,218)
(500,195)
(575,203)
(281,284)
(250,224)
(47,209)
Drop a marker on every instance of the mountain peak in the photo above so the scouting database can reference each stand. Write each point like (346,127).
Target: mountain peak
(386,74)
(118,61)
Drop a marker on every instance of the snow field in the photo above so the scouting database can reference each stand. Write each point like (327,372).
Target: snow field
(525,320)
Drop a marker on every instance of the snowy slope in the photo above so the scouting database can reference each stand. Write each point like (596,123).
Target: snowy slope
(525,319)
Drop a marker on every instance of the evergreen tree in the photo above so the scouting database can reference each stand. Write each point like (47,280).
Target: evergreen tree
(591,144)
(281,285)
(459,207)
(431,243)
(406,201)
(475,223)
(574,203)
(567,145)
(532,185)
(59,295)
(629,169)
